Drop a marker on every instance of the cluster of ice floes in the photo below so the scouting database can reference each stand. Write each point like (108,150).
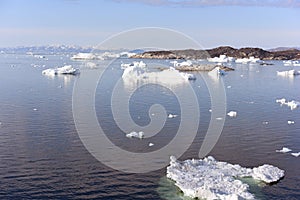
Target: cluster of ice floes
(182,64)
(288,150)
(210,179)
(291,63)
(67,69)
(135,64)
(138,71)
(288,73)
(103,56)
(251,59)
(221,59)
(134,134)
(292,104)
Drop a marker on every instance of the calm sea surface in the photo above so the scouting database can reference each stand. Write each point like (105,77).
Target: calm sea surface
(41,155)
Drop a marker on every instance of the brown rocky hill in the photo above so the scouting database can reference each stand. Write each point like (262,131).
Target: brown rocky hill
(290,54)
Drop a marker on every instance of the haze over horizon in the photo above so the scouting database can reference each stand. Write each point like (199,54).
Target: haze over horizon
(264,24)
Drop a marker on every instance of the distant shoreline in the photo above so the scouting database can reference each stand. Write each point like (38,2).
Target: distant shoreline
(288,54)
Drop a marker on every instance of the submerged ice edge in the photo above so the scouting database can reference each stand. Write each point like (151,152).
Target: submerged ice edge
(211,179)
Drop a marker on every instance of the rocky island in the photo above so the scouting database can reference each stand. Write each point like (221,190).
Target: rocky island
(286,54)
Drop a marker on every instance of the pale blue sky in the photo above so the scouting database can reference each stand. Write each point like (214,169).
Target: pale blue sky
(212,23)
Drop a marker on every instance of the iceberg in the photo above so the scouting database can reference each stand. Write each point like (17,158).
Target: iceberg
(181,64)
(291,63)
(135,64)
(67,69)
(84,56)
(221,59)
(288,73)
(284,150)
(211,179)
(188,76)
(150,144)
(133,134)
(172,116)
(292,104)
(251,59)
(295,154)
(232,114)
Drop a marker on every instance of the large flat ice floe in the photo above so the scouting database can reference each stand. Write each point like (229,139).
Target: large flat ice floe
(211,179)
(67,69)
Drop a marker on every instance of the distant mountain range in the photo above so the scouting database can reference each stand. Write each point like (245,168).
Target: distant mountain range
(279,53)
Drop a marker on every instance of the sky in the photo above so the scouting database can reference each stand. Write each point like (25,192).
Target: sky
(211,23)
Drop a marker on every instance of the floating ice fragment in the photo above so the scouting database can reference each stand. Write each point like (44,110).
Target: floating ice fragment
(84,56)
(135,134)
(288,73)
(291,63)
(267,173)
(188,76)
(284,150)
(221,59)
(150,144)
(172,116)
(67,69)
(181,64)
(219,118)
(290,122)
(232,114)
(292,104)
(252,59)
(229,86)
(295,154)
(35,109)
(265,122)
(210,179)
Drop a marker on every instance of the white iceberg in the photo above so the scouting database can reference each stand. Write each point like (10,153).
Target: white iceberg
(172,116)
(135,64)
(181,64)
(284,150)
(251,59)
(211,179)
(267,173)
(67,69)
(150,144)
(295,154)
(292,104)
(188,76)
(84,56)
(221,59)
(232,114)
(291,63)
(133,134)
(288,73)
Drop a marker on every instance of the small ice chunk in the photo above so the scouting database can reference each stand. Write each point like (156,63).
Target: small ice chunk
(172,116)
(219,118)
(35,109)
(284,150)
(210,110)
(232,114)
(135,134)
(281,101)
(150,144)
(229,86)
(188,76)
(267,173)
(290,122)
(265,122)
(295,154)
(288,73)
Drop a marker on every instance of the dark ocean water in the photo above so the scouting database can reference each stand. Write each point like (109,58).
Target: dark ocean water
(42,156)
